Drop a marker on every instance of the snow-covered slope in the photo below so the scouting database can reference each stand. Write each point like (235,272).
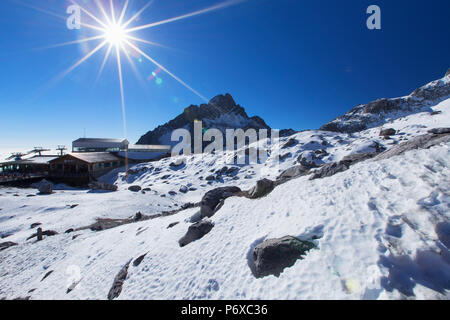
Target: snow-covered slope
(381,228)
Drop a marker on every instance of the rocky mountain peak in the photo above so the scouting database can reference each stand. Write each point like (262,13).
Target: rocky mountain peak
(220,112)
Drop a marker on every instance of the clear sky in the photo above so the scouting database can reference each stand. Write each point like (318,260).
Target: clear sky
(297,64)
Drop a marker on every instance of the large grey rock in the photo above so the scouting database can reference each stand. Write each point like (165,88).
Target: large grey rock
(330,169)
(358,157)
(293,172)
(102,186)
(272,256)
(213,199)
(262,188)
(196,231)
(46,188)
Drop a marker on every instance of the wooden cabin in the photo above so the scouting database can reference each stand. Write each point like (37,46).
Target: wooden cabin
(81,168)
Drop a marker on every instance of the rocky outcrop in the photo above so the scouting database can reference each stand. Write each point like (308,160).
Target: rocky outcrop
(377,112)
(213,200)
(272,256)
(196,231)
(425,141)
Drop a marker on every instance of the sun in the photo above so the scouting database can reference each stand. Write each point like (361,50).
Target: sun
(115,34)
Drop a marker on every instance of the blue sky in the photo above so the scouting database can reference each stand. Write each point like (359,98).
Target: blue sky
(297,64)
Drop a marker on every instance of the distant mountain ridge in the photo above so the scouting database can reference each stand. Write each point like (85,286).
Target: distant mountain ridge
(380,111)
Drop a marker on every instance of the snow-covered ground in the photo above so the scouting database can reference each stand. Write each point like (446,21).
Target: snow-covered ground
(382,227)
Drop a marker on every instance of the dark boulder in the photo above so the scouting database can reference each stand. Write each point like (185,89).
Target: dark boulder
(196,231)
(211,200)
(272,256)
(46,188)
(291,142)
(134,188)
(263,187)
(331,169)
(387,132)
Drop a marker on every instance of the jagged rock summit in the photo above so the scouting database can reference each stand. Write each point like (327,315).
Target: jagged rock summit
(380,111)
(221,113)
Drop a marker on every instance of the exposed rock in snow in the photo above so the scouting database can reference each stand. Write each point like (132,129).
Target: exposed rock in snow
(272,256)
(387,132)
(196,231)
(6,245)
(135,188)
(116,288)
(102,186)
(262,188)
(439,130)
(46,187)
(213,199)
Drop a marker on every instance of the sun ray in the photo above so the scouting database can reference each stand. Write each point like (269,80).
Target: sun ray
(124,9)
(145,41)
(108,52)
(137,14)
(188,15)
(113,13)
(167,71)
(87,56)
(122,97)
(133,67)
(74,42)
(100,6)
